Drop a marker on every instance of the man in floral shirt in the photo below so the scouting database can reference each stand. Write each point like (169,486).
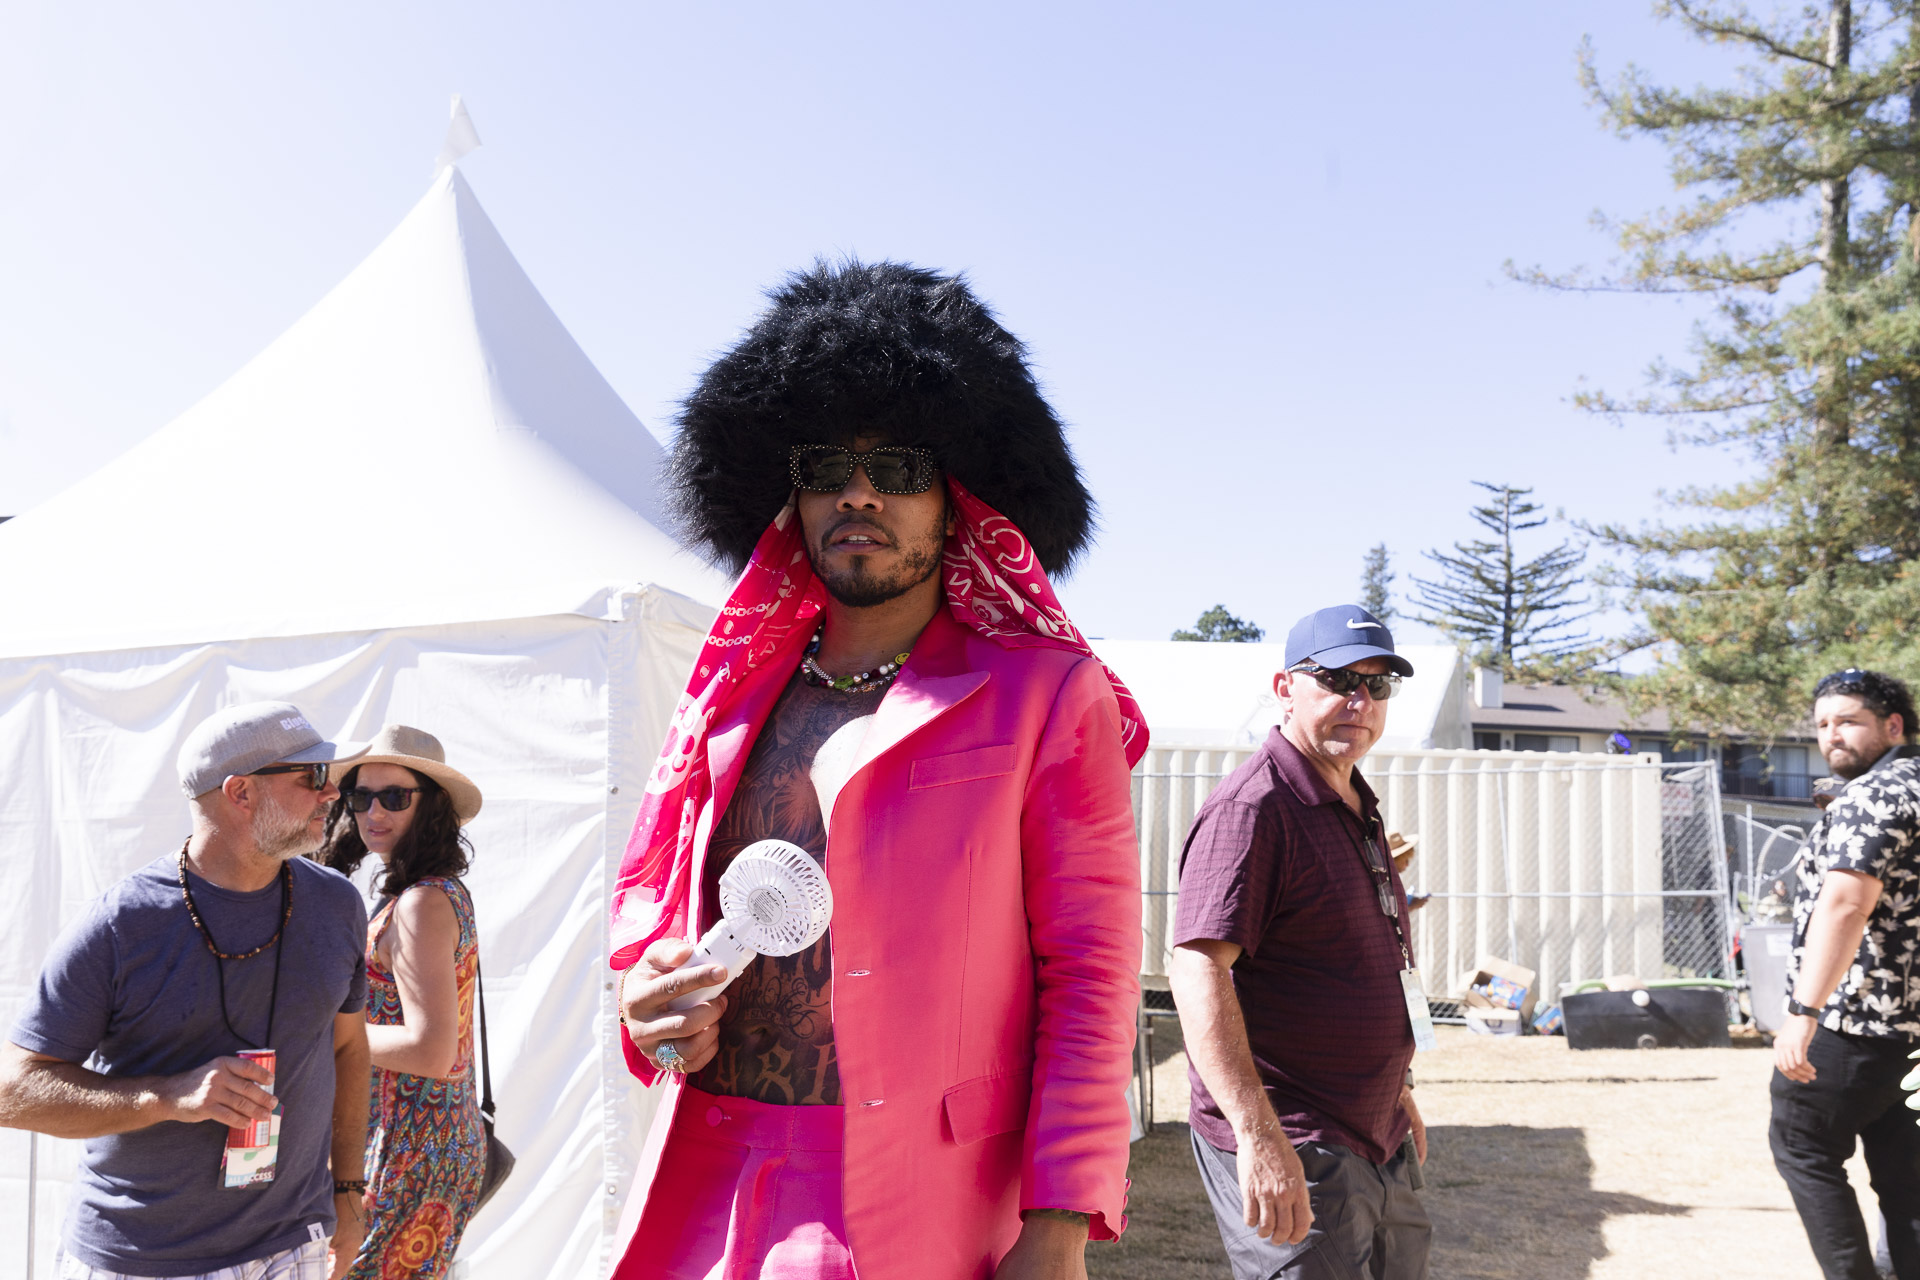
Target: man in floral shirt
(1853,984)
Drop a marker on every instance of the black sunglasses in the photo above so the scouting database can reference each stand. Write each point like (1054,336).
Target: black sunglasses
(891,469)
(1383,883)
(1342,681)
(316,773)
(392,799)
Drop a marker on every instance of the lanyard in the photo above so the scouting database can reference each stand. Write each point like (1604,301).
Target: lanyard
(1382,882)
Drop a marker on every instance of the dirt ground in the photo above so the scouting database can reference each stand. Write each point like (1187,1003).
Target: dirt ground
(1543,1164)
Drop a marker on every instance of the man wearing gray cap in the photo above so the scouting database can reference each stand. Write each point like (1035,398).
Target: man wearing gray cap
(200,1026)
(1293,972)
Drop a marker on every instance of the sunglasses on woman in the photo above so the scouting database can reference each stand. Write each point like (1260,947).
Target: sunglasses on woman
(891,469)
(1342,681)
(316,779)
(392,799)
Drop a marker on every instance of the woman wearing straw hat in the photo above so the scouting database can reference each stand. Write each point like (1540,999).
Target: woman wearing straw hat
(426,1147)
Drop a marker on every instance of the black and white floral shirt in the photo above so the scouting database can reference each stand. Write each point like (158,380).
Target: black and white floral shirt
(1872,827)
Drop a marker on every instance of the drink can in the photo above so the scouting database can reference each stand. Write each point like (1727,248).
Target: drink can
(253,1148)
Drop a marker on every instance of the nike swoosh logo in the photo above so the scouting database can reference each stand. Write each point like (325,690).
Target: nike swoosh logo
(1360,626)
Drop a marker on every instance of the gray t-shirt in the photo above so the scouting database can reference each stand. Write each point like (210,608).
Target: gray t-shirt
(132,990)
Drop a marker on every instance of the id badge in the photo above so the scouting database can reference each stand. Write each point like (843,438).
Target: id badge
(1417,1014)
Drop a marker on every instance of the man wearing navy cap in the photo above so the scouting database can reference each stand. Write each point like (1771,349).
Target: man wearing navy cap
(1293,972)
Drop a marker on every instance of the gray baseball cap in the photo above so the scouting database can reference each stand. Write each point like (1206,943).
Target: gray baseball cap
(253,735)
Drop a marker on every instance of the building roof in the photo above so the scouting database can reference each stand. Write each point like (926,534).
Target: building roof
(1559,708)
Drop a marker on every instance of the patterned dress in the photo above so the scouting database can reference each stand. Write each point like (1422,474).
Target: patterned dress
(426,1147)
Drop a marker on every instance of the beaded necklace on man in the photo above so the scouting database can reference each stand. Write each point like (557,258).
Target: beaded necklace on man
(220,957)
(860,682)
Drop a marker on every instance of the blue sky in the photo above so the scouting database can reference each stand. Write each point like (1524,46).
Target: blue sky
(1255,249)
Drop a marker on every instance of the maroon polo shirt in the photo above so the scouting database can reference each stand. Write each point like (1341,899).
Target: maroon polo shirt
(1274,864)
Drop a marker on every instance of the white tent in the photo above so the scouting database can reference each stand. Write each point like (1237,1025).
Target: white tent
(1215,694)
(421,504)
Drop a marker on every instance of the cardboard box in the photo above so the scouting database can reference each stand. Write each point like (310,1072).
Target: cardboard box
(1489,967)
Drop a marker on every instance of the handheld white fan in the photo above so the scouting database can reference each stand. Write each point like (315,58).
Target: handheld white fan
(774,900)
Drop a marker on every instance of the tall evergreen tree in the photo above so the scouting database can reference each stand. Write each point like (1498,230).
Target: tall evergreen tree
(1376,583)
(1517,614)
(1217,624)
(1811,364)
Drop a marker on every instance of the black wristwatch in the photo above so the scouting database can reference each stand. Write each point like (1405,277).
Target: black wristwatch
(1798,1010)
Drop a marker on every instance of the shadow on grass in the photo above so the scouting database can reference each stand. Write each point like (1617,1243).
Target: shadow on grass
(1507,1202)
(1514,1203)
(1170,1232)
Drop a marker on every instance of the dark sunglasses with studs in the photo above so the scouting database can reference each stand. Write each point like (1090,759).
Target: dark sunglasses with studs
(1342,681)
(392,799)
(316,779)
(891,469)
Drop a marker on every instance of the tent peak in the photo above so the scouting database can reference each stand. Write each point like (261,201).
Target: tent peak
(461,137)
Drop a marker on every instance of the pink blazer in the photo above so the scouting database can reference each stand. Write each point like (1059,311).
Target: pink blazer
(986,952)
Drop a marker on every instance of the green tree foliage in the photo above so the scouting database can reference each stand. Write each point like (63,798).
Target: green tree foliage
(1803,178)
(1217,624)
(1517,614)
(1376,583)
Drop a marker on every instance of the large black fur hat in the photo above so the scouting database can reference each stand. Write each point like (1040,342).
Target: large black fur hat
(874,349)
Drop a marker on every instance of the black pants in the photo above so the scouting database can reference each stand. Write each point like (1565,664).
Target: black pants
(1856,1094)
(1367,1222)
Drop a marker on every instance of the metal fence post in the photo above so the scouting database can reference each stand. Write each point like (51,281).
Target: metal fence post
(1506,871)
(33,1188)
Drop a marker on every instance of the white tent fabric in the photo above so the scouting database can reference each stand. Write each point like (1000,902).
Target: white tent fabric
(1199,693)
(421,504)
(431,414)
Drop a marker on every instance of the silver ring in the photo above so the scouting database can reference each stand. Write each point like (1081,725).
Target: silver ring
(669,1057)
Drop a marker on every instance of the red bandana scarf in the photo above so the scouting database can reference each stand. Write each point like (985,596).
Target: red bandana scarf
(994,585)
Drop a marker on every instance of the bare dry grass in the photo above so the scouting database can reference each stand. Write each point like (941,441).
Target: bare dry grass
(1545,1164)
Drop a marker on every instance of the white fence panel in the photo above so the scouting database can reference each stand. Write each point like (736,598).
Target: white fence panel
(1576,866)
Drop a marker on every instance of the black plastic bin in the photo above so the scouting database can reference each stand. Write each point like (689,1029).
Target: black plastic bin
(1672,1018)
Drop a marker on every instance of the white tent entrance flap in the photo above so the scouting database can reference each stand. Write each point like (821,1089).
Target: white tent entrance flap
(422,504)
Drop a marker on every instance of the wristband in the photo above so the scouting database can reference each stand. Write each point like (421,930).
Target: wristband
(357,1186)
(1798,1010)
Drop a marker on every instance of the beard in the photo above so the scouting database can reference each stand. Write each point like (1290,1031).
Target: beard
(280,833)
(859,587)
(1846,764)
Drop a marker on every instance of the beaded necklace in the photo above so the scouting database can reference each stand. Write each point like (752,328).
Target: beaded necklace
(861,682)
(220,957)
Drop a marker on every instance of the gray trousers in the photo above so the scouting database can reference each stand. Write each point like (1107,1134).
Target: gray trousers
(1367,1222)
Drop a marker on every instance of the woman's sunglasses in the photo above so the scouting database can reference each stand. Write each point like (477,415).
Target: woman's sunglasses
(316,779)
(892,469)
(392,799)
(1342,681)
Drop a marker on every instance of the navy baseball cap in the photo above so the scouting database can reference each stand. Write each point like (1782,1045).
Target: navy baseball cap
(1342,636)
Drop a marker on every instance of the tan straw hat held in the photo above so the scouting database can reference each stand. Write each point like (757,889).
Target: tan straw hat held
(420,751)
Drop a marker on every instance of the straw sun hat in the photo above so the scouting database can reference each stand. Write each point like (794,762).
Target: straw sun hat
(420,751)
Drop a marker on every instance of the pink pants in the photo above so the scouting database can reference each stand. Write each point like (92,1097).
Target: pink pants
(745,1191)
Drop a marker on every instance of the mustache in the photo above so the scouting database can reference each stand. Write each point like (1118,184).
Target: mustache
(853,519)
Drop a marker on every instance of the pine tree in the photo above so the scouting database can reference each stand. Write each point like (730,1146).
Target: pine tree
(1518,615)
(1217,624)
(1376,581)
(1811,364)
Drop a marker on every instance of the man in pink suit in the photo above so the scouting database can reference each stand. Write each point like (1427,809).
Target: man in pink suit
(937,1087)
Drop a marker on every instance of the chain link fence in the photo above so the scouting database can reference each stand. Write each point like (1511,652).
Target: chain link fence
(1762,855)
(1574,866)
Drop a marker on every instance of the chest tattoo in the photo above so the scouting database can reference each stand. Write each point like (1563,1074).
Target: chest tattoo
(776,1037)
